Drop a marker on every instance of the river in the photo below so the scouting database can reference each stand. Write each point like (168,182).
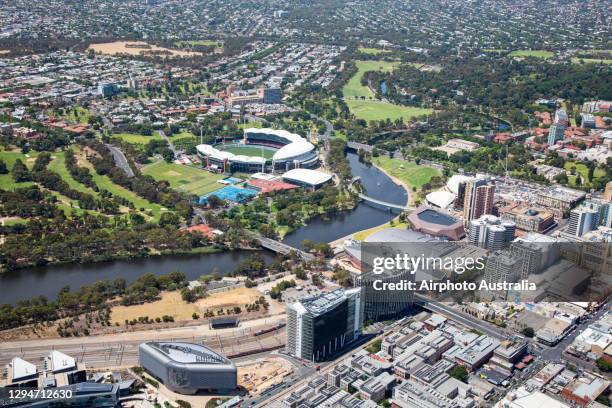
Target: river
(48,280)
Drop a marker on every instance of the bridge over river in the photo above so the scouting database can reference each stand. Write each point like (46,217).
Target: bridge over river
(376,201)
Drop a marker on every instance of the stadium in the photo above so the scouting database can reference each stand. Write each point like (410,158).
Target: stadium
(261,150)
(186,368)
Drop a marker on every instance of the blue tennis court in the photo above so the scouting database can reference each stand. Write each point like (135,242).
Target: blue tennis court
(233,180)
(230,193)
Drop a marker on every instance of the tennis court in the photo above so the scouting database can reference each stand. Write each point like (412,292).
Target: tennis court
(230,193)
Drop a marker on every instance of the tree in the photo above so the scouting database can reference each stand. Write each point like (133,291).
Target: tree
(3,168)
(460,373)
(169,219)
(528,331)
(20,172)
(167,154)
(604,365)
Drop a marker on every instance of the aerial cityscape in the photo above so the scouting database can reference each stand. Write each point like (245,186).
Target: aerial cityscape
(306,203)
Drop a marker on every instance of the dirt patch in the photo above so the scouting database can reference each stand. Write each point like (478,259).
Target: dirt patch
(170,304)
(262,374)
(138,48)
(173,173)
(234,297)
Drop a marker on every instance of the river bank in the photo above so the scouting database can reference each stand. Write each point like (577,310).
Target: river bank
(48,280)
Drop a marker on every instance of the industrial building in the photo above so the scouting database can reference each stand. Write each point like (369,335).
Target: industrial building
(186,368)
(320,326)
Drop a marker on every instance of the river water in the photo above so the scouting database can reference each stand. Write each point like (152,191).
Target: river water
(47,281)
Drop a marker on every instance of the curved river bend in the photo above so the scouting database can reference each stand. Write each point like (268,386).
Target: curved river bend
(47,281)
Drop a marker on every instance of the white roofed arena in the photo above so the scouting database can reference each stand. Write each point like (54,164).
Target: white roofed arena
(291,151)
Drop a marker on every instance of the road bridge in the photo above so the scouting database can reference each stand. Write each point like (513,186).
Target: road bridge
(280,247)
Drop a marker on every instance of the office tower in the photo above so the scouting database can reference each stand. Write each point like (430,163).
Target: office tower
(502,266)
(320,326)
(582,220)
(459,201)
(478,199)
(561,117)
(272,95)
(603,208)
(531,255)
(490,233)
(556,133)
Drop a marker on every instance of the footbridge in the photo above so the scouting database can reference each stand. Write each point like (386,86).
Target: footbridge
(376,201)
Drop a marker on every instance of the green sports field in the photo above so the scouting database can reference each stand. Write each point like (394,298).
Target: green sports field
(248,150)
(363,103)
(137,139)
(532,53)
(409,172)
(186,178)
(373,51)
(6,180)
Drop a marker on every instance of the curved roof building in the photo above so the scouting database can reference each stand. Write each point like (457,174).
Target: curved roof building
(293,152)
(306,178)
(186,368)
(437,223)
(441,199)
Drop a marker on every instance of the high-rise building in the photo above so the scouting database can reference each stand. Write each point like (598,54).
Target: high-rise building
(582,220)
(491,233)
(272,95)
(320,326)
(502,266)
(603,208)
(561,117)
(556,133)
(478,200)
(531,254)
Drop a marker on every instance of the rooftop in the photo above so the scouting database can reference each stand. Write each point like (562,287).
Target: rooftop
(188,353)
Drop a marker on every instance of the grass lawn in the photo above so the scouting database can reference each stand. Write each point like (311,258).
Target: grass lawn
(253,124)
(532,53)
(372,51)
(208,43)
(353,88)
(370,108)
(378,110)
(583,170)
(105,183)
(412,174)
(186,178)
(137,139)
(78,114)
(58,165)
(6,180)
(591,61)
(182,135)
(248,150)
(361,235)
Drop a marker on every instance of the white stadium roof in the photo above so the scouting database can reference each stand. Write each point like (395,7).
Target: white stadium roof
(296,146)
(290,137)
(214,153)
(294,149)
(307,176)
(440,199)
